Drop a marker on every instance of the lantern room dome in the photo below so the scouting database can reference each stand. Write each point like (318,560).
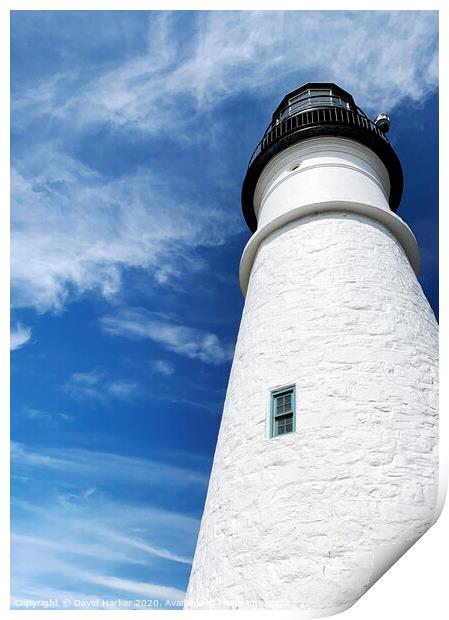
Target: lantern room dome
(320,109)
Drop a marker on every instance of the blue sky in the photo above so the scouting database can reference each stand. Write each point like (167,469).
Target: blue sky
(131,133)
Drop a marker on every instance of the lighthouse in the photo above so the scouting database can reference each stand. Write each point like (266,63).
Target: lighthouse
(326,464)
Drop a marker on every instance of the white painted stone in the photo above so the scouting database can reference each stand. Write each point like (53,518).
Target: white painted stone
(304,521)
(320,170)
(321,175)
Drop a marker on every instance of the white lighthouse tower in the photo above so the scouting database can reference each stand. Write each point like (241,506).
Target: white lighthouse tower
(326,465)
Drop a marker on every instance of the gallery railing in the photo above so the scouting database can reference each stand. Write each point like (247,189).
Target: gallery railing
(315,115)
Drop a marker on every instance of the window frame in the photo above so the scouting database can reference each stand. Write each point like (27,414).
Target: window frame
(274,395)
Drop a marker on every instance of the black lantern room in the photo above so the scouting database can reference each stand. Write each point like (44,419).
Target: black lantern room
(320,109)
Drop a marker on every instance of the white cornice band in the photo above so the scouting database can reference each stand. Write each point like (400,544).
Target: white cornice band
(389,219)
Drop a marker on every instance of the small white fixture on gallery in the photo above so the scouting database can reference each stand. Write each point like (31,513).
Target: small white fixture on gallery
(326,465)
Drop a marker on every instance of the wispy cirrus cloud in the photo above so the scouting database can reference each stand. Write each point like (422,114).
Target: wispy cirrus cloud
(69,547)
(92,466)
(162,367)
(236,51)
(20,335)
(118,584)
(46,417)
(183,340)
(87,553)
(75,231)
(105,545)
(141,545)
(95,387)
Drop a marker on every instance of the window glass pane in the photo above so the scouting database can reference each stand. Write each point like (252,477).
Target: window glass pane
(283,404)
(283,412)
(320,97)
(320,91)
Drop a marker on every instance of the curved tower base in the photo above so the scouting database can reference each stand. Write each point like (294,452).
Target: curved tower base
(297,521)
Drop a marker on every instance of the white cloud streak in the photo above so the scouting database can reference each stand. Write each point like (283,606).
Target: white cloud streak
(183,340)
(72,531)
(162,367)
(146,590)
(141,545)
(73,561)
(94,386)
(64,547)
(20,335)
(73,231)
(93,465)
(46,417)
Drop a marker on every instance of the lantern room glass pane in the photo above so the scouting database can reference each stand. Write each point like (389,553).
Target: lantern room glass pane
(313,98)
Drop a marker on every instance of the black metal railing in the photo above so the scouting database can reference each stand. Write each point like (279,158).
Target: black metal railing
(314,116)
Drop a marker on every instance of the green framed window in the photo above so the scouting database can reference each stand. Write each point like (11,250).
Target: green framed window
(283,411)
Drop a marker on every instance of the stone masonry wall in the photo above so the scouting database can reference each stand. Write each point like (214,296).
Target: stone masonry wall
(333,307)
